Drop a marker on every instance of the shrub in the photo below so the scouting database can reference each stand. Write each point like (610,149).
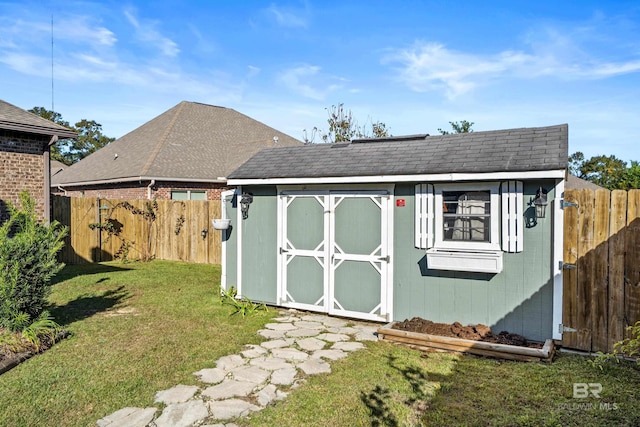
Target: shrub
(28,261)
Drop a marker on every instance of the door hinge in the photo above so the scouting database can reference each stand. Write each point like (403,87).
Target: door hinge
(565,266)
(564,204)
(562,329)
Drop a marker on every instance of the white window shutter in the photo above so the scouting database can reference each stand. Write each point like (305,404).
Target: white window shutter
(512,217)
(424,216)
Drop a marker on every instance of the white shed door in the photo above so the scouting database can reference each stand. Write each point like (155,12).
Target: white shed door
(334,253)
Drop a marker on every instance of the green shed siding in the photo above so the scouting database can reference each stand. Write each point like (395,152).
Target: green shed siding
(259,246)
(519,299)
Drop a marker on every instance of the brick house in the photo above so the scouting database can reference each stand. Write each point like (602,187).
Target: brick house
(184,153)
(25,140)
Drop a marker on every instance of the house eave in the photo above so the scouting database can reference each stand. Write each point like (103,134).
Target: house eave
(61,133)
(137,179)
(447,177)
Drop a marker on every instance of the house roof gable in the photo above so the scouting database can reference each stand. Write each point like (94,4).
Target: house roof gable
(510,150)
(16,119)
(191,141)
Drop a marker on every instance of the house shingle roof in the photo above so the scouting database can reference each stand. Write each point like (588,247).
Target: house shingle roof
(17,119)
(511,150)
(191,142)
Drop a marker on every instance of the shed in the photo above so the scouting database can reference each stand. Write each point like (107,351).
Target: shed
(463,227)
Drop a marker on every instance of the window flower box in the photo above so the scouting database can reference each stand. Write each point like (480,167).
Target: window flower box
(463,260)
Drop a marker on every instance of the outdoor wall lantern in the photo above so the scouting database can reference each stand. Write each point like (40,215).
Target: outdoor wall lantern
(245,201)
(540,202)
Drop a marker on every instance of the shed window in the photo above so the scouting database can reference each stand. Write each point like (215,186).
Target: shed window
(188,195)
(470,216)
(466,216)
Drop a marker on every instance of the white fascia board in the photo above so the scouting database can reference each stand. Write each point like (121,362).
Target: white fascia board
(139,178)
(448,177)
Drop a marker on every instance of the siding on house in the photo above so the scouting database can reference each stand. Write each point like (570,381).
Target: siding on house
(22,168)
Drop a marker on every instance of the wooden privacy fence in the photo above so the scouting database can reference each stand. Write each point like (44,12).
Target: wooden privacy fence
(181,230)
(601,276)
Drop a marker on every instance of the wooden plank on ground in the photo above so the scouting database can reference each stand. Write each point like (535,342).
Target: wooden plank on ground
(570,276)
(599,291)
(617,232)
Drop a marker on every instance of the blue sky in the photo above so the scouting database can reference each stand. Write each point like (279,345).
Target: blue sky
(414,65)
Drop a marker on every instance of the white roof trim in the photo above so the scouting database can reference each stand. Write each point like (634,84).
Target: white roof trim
(139,178)
(448,177)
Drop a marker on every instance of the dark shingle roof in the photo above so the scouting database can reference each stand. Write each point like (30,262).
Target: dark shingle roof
(17,119)
(511,150)
(190,141)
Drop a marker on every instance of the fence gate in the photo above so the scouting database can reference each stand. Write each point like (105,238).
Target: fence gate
(601,274)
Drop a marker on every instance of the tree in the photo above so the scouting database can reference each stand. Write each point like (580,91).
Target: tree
(605,171)
(344,128)
(69,151)
(90,139)
(458,127)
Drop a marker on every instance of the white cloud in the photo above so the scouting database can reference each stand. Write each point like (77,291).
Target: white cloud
(428,66)
(307,81)
(146,32)
(287,18)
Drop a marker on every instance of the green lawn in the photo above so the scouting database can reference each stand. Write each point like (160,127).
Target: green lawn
(140,328)
(136,329)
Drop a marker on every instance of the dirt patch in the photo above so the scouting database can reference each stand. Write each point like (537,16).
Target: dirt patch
(456,330)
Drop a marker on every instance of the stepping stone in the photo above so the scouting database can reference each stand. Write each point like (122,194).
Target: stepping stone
(270,363)
(348,346)
(231,408)
(280,326)
(229,388)
(251,374)
(268,394)
(277,343)
(332,322)
(334,337)
(367,333)
(253,350)
(229,362)
(284,376)
(311,344)
(308,325)
(285,319)
(177,394)
(271,334)
(304,332)
(314,366)
(183,414)
(128,417)
(314,318)
(211,375)
(347,330)
(329,354)
(289,354)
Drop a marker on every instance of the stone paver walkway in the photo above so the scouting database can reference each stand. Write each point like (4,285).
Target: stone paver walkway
(297,343)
